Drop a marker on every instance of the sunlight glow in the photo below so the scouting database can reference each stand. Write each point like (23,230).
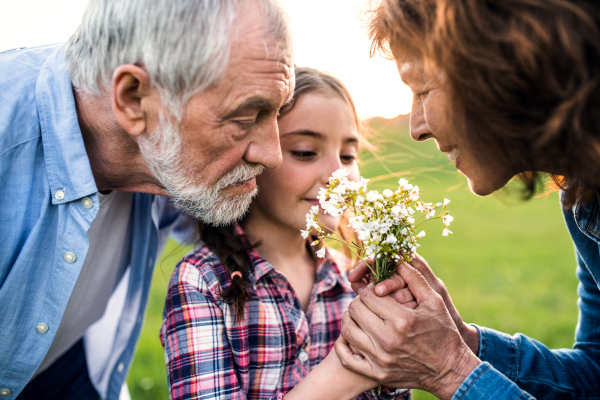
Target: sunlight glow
(327,36)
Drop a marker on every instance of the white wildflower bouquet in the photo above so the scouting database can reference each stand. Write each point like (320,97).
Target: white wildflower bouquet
(386,223)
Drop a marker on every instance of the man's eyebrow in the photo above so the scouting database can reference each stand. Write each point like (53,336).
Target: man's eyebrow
(253,103)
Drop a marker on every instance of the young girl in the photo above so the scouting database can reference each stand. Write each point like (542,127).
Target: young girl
(253,314)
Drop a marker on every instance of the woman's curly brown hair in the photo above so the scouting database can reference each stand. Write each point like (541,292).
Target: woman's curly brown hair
(517,70)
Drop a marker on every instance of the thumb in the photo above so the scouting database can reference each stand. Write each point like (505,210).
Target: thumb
(416,283)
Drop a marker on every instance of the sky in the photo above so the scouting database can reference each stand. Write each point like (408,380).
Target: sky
(327,36)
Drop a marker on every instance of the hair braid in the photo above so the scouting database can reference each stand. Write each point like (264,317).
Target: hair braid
(233,255)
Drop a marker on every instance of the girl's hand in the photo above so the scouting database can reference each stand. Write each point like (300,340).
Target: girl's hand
(402,347)
(330,380)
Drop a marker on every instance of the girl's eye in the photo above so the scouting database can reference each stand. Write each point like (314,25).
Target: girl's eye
(347,159)
(304,155)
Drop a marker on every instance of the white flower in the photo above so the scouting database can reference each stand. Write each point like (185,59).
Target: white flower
(411,211)
(314,210)
(364,234)
(340,174)
(446,202)
(388,193)
(446,232)
(421,234)
(410,220)
(404,185)
(414,194)
(359,200)
(446,219)
(304,233)
(321,252)
(373,196)
(438,204)
(390,239)
(404,231)
(395,211)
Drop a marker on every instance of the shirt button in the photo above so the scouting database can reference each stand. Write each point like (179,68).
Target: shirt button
(70,257)
(60,194)
(42,327)
(87,202)
(303,356)
(5,392)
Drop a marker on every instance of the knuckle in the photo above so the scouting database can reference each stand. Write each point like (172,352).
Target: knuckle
(344,362)
(440,286)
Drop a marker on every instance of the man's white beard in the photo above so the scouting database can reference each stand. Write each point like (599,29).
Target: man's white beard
(162,152)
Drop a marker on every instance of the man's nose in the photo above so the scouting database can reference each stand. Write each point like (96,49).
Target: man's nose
(264,147)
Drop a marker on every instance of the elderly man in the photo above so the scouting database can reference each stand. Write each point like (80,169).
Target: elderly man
(149,98)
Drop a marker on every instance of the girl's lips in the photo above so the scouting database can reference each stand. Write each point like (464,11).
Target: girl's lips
(314,202)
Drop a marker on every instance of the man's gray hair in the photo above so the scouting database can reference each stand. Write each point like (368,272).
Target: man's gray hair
(184,45)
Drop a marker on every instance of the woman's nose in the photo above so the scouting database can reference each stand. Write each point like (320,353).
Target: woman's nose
(419,130)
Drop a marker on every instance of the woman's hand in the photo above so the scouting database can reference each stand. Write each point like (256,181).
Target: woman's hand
(359,279)
(402,347)
(396,288)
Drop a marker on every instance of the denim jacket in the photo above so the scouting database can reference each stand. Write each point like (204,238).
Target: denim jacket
(518,367)
(45,183)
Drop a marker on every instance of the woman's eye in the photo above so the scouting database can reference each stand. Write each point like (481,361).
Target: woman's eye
(421,95)
(304,155)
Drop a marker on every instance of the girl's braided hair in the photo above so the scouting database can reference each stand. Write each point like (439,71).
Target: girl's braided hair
(222,240)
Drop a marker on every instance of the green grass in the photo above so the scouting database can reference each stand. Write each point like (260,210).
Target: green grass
(510,264)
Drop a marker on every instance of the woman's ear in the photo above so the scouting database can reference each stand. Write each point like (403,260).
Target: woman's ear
(132,91)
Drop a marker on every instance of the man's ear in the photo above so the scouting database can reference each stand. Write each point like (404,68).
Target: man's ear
(131,90)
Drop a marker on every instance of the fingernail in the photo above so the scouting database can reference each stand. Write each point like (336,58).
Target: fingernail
(380,290)
(359,291)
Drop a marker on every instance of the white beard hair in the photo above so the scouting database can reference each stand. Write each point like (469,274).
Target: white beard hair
(162,152)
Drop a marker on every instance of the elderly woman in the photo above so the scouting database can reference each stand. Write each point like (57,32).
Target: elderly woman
(505,88)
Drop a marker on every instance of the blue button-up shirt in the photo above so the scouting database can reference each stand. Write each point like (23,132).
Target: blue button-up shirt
(44,175)
(518,367)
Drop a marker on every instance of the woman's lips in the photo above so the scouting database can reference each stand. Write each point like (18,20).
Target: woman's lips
(453,154)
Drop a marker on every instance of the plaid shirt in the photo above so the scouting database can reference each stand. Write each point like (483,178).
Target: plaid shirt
(209,356)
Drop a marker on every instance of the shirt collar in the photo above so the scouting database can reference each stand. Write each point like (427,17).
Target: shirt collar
(67,163)
(327,271)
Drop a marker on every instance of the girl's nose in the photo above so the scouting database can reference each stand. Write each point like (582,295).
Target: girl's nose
(332,165)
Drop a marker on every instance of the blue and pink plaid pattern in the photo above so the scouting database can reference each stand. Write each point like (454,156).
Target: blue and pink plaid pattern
(209,356)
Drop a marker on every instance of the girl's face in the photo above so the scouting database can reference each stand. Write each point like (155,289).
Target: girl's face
(318,136)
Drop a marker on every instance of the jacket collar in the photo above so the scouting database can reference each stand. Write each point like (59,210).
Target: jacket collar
(67,163)
(587,217)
